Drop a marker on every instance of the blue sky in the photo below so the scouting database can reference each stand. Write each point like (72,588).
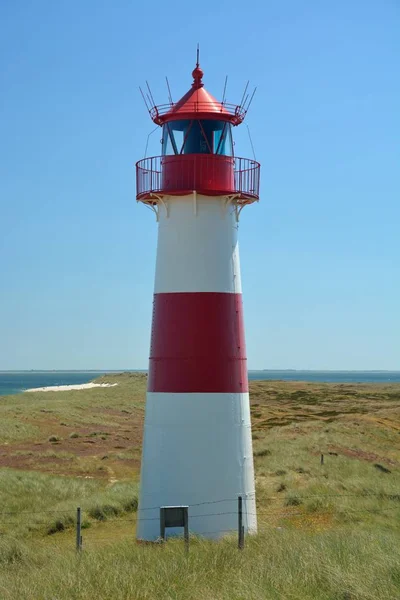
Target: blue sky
(320,252)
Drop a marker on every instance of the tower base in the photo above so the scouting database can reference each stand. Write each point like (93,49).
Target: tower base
(197,451)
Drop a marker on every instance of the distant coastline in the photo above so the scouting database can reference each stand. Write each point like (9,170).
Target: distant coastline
(72,370)
(250,371)
(15,382)
(325,371)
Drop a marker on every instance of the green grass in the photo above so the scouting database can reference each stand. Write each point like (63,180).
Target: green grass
(277,565)
(328,531)
(12,429)
(38,503)
(26,416)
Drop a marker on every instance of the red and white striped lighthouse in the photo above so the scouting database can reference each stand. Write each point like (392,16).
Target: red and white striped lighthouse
(197,448)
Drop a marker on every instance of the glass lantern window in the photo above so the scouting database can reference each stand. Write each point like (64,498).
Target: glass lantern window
(167,147)
(197,137)
(222,139)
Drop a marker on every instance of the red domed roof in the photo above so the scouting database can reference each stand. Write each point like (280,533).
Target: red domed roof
(197,103)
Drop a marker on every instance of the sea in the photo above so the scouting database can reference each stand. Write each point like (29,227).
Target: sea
(14,382)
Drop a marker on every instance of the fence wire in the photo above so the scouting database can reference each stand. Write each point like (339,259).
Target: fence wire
(265,516)
(8,516)
(393,497)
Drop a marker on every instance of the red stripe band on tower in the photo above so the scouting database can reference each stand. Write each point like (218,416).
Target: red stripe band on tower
(197,343)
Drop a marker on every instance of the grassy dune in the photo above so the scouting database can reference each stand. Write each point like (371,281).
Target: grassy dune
(328,531)
(277,565)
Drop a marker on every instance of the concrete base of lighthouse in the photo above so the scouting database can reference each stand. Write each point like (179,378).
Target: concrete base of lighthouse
(197,448)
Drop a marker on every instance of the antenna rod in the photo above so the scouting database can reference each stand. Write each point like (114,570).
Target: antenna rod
(198,55)
(151,95)
(169,91)
(244,93)
(223,95)
(251,99)
(144,99)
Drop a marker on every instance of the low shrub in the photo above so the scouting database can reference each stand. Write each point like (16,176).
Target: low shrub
(263,452)
(293,500)
(60,524)
(131,505)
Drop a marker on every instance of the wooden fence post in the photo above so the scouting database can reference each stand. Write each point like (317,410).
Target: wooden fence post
(78,529)
(240,524)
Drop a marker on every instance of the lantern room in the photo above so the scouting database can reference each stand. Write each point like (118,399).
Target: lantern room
(197,150)
(197,136)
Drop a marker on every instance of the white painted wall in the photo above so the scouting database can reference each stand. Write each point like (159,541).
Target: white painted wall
(197,246)
(197,449)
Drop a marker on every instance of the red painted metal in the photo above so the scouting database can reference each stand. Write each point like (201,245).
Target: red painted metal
(197,108)
(197,103)
(208,174)
(198,343)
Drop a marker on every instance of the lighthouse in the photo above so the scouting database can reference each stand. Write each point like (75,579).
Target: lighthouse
(197,447)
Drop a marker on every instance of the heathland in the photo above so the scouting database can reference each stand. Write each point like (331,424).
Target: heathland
(326,531)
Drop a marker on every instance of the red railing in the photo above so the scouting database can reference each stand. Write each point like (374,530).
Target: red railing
(237,113)
(207,174)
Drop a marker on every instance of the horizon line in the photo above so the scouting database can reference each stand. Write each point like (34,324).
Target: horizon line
(249,370)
